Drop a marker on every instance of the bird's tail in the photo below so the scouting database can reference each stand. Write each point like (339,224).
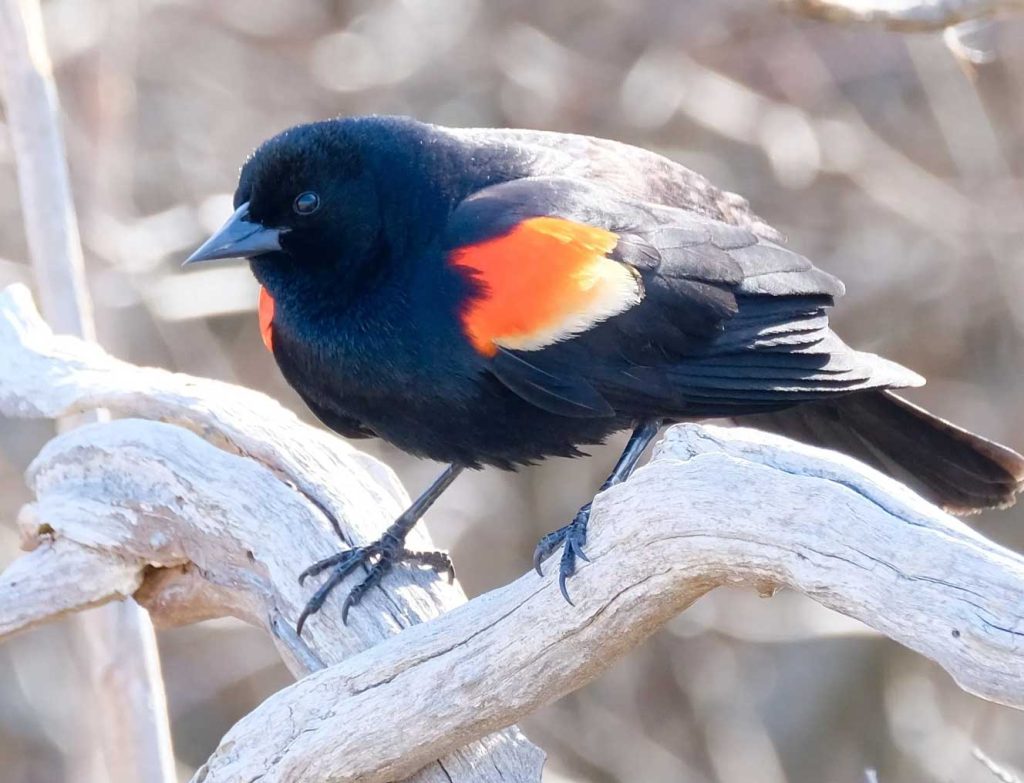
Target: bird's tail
(960,471)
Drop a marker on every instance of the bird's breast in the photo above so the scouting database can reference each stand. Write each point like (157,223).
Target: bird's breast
(402,366)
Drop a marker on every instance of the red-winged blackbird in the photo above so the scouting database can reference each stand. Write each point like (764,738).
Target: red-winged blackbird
(494,297)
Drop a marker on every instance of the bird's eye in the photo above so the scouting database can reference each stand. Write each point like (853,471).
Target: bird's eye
(306,203)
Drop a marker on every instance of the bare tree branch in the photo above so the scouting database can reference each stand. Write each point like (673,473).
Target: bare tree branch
(838,142)
(999,772)
(198,528)
(714,507)
(199,531)
(904,15)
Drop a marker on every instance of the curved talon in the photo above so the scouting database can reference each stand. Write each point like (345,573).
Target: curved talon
(387,551)
(568,565)
(576,545)
(547,545)
(353,598)
(303,616)
(375,576)
(345,607)
(561,586)
(572,538)
(313,605)
(344,567)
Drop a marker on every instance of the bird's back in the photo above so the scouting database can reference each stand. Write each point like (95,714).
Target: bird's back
(634,172)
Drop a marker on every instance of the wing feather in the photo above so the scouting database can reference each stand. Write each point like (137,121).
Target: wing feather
(565,393)
(723,320)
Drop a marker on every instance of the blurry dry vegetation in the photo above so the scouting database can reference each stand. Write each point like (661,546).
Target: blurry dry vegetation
(881,156)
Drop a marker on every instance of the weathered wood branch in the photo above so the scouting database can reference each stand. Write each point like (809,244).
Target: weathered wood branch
(194,529)
(904,15)
(210,518)
(714,507)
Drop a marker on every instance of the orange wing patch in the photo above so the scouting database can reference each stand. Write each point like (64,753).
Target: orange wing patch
(545,281)
(266,313)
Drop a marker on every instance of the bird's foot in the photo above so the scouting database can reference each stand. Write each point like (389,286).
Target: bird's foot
(571,538)
(379,556)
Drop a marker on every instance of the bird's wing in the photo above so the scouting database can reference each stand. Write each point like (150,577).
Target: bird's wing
(589,304)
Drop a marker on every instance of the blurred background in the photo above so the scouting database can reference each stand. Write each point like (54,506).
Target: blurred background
(895,161)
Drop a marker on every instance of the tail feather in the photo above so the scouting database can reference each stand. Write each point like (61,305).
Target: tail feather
(960,471)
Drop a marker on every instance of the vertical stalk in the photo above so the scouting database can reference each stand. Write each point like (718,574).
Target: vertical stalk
(116,642)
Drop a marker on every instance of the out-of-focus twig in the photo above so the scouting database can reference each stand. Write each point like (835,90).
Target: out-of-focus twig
(1000,773)
(845,144)
(116,642)
(30,98)
(904,15)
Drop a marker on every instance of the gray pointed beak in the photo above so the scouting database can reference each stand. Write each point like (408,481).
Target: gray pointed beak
(238,238)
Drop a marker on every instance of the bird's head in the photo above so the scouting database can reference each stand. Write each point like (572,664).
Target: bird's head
(306,207)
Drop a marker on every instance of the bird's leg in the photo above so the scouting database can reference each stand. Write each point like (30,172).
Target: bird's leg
(572,537)
(381,555)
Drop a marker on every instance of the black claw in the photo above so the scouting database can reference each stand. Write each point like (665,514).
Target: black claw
(571,538)
(345,607)
(538,556)
(343,569)
(546,546)
(302,620)
(387,551)
(575,543)
(561,586)
(353,598)
(567,567)
(566,570)
(373,578)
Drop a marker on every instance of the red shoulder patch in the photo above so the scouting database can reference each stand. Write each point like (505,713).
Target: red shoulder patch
(266,314)
(546,280)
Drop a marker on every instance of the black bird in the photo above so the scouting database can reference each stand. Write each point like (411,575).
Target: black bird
(494,297)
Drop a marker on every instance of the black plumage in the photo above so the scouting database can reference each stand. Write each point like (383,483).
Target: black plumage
(680,303)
